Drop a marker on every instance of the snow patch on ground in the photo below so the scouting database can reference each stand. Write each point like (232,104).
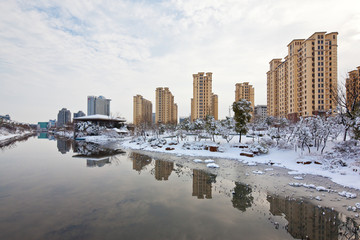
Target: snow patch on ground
(212,165)
(347,194)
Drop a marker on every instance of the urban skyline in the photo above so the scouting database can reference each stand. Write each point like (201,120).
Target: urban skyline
(68,51)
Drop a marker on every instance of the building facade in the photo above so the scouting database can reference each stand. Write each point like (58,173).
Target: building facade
(353,89)
(142,111)
(204,101)
(260,112)
(64,117)
(245,91)
(98,105)
(79,114)
(305,83)
(166,111)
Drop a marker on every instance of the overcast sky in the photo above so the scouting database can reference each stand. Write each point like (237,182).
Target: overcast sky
(53,54)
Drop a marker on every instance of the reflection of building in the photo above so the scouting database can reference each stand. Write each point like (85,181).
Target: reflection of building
(166,109)
(353,88)
(303,83)
(245,91)
(305,221)
(139,161)
(201,184)
(204,101)
(64,117)
(42,135)
(98,105)
(163,169)
(63,146)
(97,162)
(142,112)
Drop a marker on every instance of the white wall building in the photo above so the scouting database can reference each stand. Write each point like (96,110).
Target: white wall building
(98,105)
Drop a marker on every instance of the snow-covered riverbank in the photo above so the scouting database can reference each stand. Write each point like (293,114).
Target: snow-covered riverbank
(10,132)
(285,172)
(297,161)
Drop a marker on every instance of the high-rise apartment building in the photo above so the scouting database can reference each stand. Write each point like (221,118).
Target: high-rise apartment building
(245,91)
(64,117)
(204,101)
(305,83)
(166,110)
(260,112)
(142,113)
(353,89)
(98,105)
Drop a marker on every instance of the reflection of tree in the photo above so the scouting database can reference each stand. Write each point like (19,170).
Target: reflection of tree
(139,161)
(242,198)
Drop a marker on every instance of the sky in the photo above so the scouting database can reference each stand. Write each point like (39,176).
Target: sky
(53,54)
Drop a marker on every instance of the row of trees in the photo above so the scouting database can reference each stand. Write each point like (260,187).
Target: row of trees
(306,133)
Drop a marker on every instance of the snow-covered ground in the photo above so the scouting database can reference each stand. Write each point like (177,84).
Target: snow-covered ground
(7,136)
(298,162)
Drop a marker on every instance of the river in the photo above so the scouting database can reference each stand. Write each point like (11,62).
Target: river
(55,189)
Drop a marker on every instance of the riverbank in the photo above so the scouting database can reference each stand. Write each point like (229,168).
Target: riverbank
(272,179)
(10,138)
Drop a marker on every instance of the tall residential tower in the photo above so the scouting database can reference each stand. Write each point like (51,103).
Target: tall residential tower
(204,101)
(353,89)
(245,91)
(165,110)
(142,113)
(305,83)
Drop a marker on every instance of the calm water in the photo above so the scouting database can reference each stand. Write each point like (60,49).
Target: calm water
(48,190)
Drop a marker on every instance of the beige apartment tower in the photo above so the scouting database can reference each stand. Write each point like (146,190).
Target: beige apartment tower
(305,83)
(142,113)
(353,89)
(245,91)
(204,101)
(166,110)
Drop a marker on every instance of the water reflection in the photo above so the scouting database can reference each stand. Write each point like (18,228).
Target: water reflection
(139,161)
(95,155)
(305,220)
(114,202)
(242,197)
(202,184)
(63,145)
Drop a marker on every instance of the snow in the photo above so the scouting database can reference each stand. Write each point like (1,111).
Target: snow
(321,188)
(209,161)
(198,160)
(258,172)
(318,198)
(4,135)
(212,165)
(298,162)
(347,194)
(99,116)
(298,178)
